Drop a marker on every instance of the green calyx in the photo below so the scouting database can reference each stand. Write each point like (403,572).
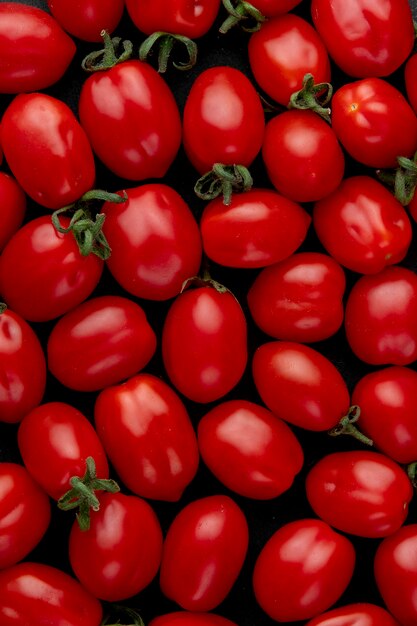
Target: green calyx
(223,180)
(313,97)
(346,426)
(243,13)
(403,179)
(132,615)
(109,56)
(3,307)
(165,42)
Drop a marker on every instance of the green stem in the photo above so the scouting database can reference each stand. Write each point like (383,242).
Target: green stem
(166,42)
(412,473)
(346,427)
(239,14)
(223,180)
(403,179)
(109,56)
(133,616)
(313,97)
(3,307)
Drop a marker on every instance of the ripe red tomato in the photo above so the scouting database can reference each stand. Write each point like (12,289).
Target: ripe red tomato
(204,343)
(358,614)
(294,382)
(410,77)
(362,225)
(86,19)
(302,570)
(42,273)
(185,618)
(204,551)
(365,37)
(155,242)
(272,8)
(300,298)
(12,208)
(148,436)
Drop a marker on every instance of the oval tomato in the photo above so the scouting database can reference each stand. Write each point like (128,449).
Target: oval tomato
(12,208)
(185,618)
(359,614)
(86,19)
(272,8)
(410,76)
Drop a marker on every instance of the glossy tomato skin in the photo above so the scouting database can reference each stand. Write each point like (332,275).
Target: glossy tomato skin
(13,207)
(231,133)
(42,273)
(155,241)
(38,594)
(100,343)
(85,19)
(204,343)
(54,441)
(299,299)
(258,228)
(272,8)
(374,122)
(208,535)
(301,556)
(187,618)
(22,368)
(143,424)
(120,553)
(40,129)
(131,119)
(410,75)
(302,156)
(358,614)
(362,225)
(282,52)
(365,38)
(294,381)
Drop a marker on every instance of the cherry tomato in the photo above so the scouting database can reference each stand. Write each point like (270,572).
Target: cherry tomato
(365,37)
(362,225)
(381,317)
(204,551)
(155,242)
(12,208)
(42,273)
(204,343)
(302,570)
(37,594)
(272,8)
(185,618)
(359,614)
(86,19)
(99,343)
(302,156)
(148,436)
(300,385)
(410,76)
(300,298)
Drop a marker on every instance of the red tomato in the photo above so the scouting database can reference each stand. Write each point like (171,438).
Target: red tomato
(120,554)
(410,76)
(362,225)
(272,8)
(294,382)
(204,551)
(37,594)
(359,614)
(302,156)
(359,492)
(381,317)
(34,50)
(55,440)
(365,37)
(300,298)
(282,52)
(155,242)
(99,343)
(204,343)
(22,368)
(374,122)
(148,436)
(86,19)
(40,135)
(223,119)
(302,570)
(185,618)
(12,208)
(257,228)
(42,273)
(249,449)
(131,119)
(24,514)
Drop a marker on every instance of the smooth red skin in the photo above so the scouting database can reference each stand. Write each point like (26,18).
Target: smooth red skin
(155,241)
(86,19)
(22,368)
(363,226)
(229,134)
(249,449)
(381,317)
(282,51)
(185,618)
(302,570)
(54,441)
(38,594)
(34,50)
(121,552)
(258,228)
(365,37)
(412,207)
(131,120)
(144,424)
(99,343)
(359,614)
(299,299)
(302,156)
(42,273)
(359,492)
(12,207)
(204,343)
(24,514)
(410,77)
(204,551)
(272,8)
(300,385)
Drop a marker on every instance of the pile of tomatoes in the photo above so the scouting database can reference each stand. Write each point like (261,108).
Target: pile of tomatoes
(208,274)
